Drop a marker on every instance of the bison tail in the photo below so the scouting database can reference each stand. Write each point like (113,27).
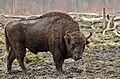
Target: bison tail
(7,43)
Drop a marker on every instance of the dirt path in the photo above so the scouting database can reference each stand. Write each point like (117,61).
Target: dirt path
(95,63)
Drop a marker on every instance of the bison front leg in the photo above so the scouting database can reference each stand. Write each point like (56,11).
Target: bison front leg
(58,65)
(58,59)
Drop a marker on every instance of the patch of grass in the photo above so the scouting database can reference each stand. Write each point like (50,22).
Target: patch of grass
(34,60)
(2,75)
(101,46)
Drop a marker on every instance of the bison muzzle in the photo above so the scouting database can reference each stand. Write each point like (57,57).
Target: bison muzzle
(55,32)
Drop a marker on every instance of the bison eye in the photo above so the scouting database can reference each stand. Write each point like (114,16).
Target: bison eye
(83,47)
(72,46)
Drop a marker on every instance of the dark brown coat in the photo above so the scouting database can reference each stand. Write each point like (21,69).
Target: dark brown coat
(55,32)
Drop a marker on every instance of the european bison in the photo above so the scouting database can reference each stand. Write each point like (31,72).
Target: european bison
(55,32)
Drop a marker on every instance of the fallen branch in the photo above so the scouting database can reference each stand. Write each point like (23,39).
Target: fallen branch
(93,20)
(1,25)
(20,17)
(110,25)
(89,14)
(117,18)
(117,32)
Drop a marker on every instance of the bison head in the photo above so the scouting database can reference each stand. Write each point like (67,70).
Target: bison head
(75,43)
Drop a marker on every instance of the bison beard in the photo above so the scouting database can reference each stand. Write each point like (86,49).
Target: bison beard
(55,32)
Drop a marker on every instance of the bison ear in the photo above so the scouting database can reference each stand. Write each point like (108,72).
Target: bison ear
(67,36)
(67,33)
(67,40)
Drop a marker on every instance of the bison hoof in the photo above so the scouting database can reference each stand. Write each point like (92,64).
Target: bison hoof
(61,76)
(26,72)
(8,72)
(59,73)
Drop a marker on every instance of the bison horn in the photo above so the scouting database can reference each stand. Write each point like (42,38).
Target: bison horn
(89,35)
(67,33)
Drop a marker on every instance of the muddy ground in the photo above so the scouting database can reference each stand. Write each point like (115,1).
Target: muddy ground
(101,60)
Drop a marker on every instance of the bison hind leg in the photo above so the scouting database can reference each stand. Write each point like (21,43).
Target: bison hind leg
(21,52)
(20,58)
(11,57)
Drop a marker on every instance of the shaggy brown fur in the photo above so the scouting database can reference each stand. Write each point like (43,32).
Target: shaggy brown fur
(62,15)
(48,33)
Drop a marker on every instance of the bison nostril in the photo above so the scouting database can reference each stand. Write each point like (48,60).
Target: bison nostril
(76,57)
(80,57)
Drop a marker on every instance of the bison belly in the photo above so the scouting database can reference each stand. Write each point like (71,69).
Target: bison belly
(37,42)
